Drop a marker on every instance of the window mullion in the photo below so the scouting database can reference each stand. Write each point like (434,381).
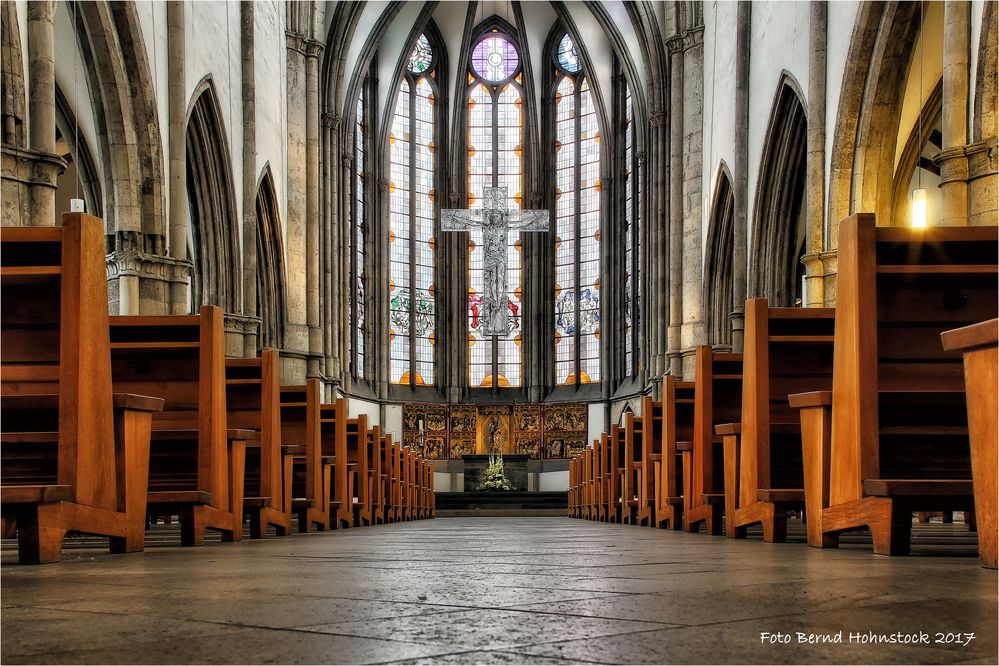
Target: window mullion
(577,172)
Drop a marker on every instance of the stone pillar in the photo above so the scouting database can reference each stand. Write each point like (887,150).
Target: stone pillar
(177,140)
(954,116)
(815,160)
(40,166)
(296,341)
(740,184)
(313,49)
(250,222)
(693,331)
(673,343)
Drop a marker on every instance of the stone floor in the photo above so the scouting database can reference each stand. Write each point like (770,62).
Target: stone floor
(494,590)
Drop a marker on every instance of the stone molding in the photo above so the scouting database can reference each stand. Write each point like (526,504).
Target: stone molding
(241,324)
(129,260)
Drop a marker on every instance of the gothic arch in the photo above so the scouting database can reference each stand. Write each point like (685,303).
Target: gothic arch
(82,156)
(987,78)
(778,228)
(718,275)
(110,41)
(271,291)
(911,155)
(214,230)
(862,159)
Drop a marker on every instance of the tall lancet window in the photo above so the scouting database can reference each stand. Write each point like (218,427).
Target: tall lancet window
(577,222)
(358,236)
(495,151)
(412,147)
(632,239)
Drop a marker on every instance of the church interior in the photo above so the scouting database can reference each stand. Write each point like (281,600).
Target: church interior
(515,332)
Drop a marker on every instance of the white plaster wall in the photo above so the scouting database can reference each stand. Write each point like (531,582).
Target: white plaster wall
(212,45)
(393,422)
(395,46)
(596,422)
(977,10)
(357,407)
(779,41)
(719,102)
(270,69)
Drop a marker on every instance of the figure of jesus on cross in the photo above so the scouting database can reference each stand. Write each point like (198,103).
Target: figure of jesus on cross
(496,221)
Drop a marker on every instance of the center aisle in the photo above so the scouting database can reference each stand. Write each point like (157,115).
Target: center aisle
(490,590)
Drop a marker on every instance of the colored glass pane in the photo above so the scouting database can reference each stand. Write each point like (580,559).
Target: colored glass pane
(495,58)
(422,56)
(568,58)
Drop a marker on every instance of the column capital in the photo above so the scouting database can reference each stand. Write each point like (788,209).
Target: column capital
(657,119)
(312,48)
(331,120)
(294,41)
(674,44)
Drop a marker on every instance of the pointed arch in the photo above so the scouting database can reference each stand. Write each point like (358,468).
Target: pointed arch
(577,162)
(778,228)
(271,285)
(212,204)
(718,266)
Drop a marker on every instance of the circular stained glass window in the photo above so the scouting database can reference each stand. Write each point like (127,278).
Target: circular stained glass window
(495,59)
(567,56)
(421,57)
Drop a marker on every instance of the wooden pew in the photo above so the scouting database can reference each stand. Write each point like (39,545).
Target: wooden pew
(389,476)
(312,474)
(573,501)
(196,462)
(395,479)
(632,466)
(981,359)
(587,510)
(333,434)
(601,474)
(787,351)
(677,435)
(359,451)
(74,456)
(376,483)
(652,443)
(892,436)
(253,402)
(717,399)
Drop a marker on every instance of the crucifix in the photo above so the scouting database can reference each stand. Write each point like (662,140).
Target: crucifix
(496,221)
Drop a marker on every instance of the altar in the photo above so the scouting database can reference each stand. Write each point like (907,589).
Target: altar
(514,467)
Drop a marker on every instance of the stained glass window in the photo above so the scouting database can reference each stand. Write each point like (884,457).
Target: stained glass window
(357,301)
(567,56)
(577,230)
(495,58)
(631,238)
(411,289)
(495,139)
(422,56)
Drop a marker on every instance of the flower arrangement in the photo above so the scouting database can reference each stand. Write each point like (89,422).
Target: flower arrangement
(493,479)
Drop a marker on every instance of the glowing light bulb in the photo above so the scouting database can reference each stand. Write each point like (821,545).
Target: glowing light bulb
(919,208)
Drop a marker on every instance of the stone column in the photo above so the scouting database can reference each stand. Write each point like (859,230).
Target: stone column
(296,341)
(954,116)
(250,222)
(673,360)
(45,164)
(177,140)
(740,184)
(313,49)
(693,330)
(815,160)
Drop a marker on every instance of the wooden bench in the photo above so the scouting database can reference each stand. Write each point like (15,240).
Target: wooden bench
(787,351)
(892,438)
(196,462)
(981,359)
(333,434)
(253,402)
(586,482)
(633,460)
(312,476)
(613,474)
(717,399)
(572,504)
(74,456)
(677,434)
(376,454)
(359,452)
(652,443)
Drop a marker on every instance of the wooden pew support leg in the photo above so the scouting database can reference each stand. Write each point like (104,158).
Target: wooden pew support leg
(40,531)
(731,443)
(816,440)
(132,431)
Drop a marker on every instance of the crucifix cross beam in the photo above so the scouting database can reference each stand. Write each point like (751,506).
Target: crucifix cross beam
(496,220)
